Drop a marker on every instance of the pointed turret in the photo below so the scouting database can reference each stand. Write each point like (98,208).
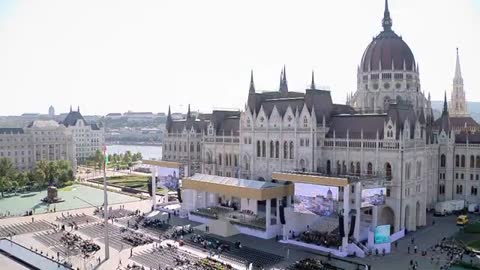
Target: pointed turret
(252,85)
(283,81)
(312,84)
(168,124)
(445,105)
(386,21)
(189,115)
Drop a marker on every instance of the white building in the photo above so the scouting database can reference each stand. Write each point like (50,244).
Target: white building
(386,129)
(41,140)
(88,137)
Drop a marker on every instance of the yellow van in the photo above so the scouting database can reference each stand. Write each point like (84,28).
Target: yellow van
(462,220)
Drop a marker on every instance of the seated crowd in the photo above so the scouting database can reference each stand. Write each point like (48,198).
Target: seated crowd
(312,264)
(135,239)
(325,239)
(73,241)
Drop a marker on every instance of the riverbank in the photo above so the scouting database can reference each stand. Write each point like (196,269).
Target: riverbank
(134,143)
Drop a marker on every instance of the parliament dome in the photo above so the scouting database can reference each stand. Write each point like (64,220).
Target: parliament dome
(387,51)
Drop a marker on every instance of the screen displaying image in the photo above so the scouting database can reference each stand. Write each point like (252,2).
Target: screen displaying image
(316,199)
(373,196)
(382,234)
(168,177)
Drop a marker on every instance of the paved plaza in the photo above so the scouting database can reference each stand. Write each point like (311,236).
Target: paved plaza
(42,233)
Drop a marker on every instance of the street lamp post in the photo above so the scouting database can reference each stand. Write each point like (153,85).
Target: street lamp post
(105,203)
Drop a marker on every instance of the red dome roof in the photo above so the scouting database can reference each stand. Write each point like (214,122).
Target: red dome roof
(385,48)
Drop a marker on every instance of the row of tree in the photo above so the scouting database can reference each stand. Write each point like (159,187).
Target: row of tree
(118,160)
(46,173)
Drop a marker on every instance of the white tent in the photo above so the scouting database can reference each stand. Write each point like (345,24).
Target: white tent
(157,215)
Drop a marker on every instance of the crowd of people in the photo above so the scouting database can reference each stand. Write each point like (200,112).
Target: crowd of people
(75,242)
(320,238)
(312,264)
(135,239)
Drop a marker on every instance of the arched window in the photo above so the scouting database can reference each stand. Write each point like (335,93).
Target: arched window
(457,161)
(185,147)
(462,164)
(209,158)
(170,146)
(246,163)
(344,168)
(472,161)
(477,162)
(174,146)
(192,147)
(443,161)
(369,169)
(264,149)
(407,171)
(291,150)
(388,171)
(419,168)
(272,150)
(352,167)
(285,150)
(219,159)
(357,172)
(302,164)
(226,160)
(259,150)
(305,122)
(199,147)
(339,167)
(277,149)
(329,169)
(235,160)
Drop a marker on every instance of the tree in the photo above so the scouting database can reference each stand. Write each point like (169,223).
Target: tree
(39,176)
(4,184)
(22,179)
(99,159)
(127,158)
(6,167)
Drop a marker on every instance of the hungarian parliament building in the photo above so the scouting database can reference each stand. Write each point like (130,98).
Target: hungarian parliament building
(386,128)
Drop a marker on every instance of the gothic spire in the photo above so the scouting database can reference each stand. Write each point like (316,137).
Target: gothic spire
(458,71)
(252,85)
(445,105)
(283,81)
(386,21)
(188,112)
(312,85)
(169,119)
(70,108)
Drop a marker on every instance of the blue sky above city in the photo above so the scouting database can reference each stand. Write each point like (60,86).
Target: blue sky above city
(115,55)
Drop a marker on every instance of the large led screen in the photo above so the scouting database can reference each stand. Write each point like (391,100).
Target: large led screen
(382,234)
(168,177)
(373,196)
(315,199)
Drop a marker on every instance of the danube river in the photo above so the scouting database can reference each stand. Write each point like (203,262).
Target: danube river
(148,152)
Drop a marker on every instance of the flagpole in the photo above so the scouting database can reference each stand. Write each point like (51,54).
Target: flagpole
(105,203)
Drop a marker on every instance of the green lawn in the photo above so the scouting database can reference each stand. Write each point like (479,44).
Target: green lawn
(131,181)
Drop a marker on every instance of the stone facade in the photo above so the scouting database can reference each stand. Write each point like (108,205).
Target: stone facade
(41,140)
(88,137)
(386,129)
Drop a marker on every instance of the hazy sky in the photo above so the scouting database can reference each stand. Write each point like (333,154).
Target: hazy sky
(114,56)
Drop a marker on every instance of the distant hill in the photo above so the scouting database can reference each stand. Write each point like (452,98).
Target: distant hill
(474,108)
